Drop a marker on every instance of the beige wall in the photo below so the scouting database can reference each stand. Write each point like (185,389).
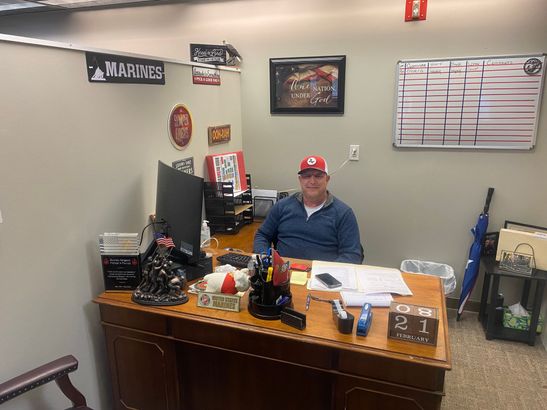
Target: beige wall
(78,159)
(410,203)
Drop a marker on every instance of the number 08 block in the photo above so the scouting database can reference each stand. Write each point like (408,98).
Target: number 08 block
(418,324)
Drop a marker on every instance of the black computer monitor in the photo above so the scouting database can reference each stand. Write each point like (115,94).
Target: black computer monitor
(179,201)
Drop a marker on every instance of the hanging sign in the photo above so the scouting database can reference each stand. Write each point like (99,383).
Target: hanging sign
(208,54)
(220,134)
(185,165)
(180,126)
(110,68)
(204,75)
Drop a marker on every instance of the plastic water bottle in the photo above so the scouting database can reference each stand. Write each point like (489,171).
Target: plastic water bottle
(205,234)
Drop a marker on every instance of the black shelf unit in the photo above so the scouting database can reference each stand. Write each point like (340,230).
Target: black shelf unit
(226,212)
(487,312)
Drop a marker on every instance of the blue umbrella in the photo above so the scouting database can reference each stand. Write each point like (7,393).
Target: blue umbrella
(473,262)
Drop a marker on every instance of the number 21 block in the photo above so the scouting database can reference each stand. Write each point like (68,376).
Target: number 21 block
(412,323)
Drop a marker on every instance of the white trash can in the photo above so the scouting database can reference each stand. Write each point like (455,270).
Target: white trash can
(445,272)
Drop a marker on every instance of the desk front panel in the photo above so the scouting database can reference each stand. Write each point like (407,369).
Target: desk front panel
(320,326)
(354,367)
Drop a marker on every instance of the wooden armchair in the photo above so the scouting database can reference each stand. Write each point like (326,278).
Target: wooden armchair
(57,370)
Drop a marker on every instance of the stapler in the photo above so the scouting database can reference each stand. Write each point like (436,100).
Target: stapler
(365,319)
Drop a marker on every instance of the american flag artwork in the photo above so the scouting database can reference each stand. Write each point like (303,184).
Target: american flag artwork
(166,241)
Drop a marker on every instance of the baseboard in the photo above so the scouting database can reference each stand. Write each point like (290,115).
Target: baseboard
(470,306)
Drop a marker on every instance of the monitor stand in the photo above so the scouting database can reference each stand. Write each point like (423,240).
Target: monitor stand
(193,270)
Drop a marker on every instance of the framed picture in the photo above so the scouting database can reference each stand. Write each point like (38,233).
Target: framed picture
(307,85)
(490,244)
(517,226)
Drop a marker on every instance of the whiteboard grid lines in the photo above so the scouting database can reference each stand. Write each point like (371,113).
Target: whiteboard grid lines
(489,102)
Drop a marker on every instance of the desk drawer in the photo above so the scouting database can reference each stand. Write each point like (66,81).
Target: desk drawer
(392,370)
(134,319)
(252,342)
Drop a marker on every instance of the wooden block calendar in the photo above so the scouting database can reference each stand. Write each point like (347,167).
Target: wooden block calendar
(412,323)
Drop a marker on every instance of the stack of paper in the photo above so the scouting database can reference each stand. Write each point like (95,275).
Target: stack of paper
(360,280)
(112,243)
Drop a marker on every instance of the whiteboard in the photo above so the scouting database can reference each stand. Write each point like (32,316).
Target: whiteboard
(477,102)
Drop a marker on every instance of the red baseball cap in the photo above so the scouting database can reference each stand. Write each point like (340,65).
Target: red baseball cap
(314,162)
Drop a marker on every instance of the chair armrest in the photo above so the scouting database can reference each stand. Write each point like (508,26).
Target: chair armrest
(37,377)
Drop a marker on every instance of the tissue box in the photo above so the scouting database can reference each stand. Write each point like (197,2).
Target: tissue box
(520,322)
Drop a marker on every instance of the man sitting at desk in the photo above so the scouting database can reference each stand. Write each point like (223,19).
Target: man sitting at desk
(312,224)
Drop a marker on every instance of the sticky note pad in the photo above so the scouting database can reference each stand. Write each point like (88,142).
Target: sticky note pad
(299,278)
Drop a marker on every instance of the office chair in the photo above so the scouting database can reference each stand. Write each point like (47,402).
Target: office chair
(57,370)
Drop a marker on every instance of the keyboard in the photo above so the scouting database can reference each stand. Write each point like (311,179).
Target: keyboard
(237,260)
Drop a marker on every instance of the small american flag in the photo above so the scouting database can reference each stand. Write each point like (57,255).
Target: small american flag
(163,240)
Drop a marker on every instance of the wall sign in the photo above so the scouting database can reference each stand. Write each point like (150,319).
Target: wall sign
(185,165)
(110,68)
(220,134)
(204,75)
(180,126)
(208,54)
(309,85)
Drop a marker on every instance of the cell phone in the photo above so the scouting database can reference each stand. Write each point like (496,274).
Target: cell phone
(328,280)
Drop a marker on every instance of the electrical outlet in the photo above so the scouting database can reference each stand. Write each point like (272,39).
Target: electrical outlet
(354,152)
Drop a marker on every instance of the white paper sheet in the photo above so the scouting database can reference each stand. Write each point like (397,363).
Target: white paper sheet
(345,275)
(359,278)
(359,299)
(381,280)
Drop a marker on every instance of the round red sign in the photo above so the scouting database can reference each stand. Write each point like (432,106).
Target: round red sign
(180,126)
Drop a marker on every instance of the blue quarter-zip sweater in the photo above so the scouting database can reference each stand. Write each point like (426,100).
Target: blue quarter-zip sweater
(330,234)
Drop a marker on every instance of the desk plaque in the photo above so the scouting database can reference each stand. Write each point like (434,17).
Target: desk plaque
(418,324)
(219,301)
(121,272)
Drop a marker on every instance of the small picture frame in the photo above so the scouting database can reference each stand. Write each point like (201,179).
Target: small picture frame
(307,85)
(490,244)
(518,226)
(517,262)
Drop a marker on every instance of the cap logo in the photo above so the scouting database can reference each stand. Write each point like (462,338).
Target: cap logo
(312,161)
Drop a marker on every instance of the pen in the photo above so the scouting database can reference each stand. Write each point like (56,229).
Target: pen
(281,300)
(308,300)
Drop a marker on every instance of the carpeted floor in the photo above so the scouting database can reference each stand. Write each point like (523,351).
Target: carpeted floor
(493,374)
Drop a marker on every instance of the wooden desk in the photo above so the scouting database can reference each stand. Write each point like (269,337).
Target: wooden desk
(185,357)
(242,241)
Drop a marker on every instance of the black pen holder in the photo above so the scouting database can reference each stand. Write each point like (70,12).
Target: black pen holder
(266,300)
